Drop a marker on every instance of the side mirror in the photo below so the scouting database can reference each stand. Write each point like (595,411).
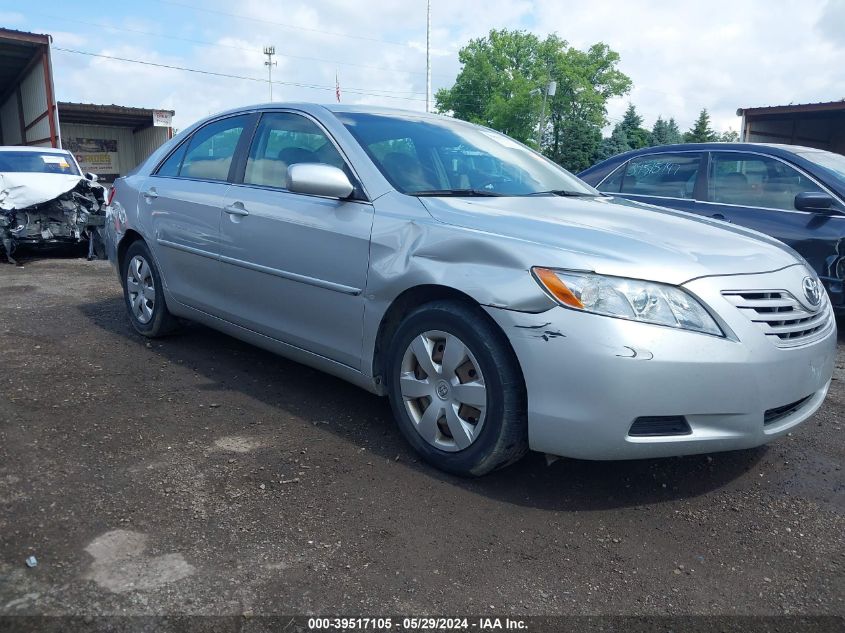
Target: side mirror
(91,177)
(815,201)
(317,179)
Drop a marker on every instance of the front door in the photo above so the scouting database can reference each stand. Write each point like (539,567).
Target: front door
(758,192)
(294,266)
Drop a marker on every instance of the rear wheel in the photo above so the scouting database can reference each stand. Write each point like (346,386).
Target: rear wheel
(456,390)
(144,294)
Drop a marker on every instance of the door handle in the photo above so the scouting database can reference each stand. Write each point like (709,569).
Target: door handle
(150,194)
(236,208)
(719,216)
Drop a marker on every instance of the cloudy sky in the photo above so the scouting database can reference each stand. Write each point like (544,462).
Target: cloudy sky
(681,56)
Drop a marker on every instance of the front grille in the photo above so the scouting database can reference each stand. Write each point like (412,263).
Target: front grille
(781,316)
(778,413)
(650,426)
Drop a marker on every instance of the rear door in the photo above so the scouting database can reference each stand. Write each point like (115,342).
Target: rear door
(294,266)
(758,191)
(184,202)
(669,179)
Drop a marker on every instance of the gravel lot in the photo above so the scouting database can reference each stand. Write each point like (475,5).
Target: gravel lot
(197,474)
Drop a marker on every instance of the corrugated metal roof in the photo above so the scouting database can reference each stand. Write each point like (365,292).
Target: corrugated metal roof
(25,35)
(794,107)
(99,114)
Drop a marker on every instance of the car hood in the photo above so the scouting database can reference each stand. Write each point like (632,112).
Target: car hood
(613,236)
(19,190)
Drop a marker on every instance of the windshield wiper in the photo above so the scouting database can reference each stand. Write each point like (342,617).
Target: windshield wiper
(468,193)
(565,193)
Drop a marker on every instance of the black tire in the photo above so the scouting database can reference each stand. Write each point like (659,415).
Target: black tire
(162,322)
(503,438)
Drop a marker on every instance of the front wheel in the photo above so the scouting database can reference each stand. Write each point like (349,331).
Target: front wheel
(143,293)
(456,390)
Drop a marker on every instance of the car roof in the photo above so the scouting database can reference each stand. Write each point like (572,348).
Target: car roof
(29,148)
(776,149)
(335,108)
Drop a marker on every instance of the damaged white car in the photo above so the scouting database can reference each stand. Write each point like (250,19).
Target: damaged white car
(45,200)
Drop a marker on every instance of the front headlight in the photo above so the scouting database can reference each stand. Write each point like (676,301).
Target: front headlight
(660,304)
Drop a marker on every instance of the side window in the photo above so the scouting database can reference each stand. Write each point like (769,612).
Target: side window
(170,167)
(284,139)
(613,183)
(751,180)
(662,175)
(211,148)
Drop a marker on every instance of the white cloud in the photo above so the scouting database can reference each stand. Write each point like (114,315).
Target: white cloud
(720,55)
(681,57)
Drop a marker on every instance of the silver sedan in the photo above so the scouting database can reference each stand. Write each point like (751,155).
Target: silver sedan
(499,302)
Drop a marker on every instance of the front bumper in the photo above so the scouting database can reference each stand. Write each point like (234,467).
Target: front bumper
(590,377)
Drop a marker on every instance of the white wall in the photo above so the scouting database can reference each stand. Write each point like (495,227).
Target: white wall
(33,90)
(149,140)
(34,100)
(10,121)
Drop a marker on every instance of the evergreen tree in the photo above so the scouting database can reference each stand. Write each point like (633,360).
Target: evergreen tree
(673,132)
(665,132)
(578,147)
(659,132)
(701,132)
(632,125)
(615,144)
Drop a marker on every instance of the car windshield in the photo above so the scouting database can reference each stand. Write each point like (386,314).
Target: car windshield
(828,160)
(38,163)
(423,155)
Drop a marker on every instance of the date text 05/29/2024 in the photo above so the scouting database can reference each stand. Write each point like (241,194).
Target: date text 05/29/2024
(417,624)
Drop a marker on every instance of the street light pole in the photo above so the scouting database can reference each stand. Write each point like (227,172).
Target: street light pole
(550,91)
(270,51)
(428,59)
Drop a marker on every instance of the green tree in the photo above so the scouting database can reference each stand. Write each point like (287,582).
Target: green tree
(701,132)
(674,132)
(577,146)
(494,85)
(729,136)
(615,144)
(632,125)
(586,80)
(665,132)
(503,78)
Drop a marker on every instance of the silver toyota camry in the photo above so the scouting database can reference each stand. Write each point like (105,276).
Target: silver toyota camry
(499,303)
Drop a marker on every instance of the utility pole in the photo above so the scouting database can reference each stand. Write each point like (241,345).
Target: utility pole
(428,60)
(550,91)
(270,51)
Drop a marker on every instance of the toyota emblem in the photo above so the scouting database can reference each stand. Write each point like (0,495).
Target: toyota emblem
(812,291)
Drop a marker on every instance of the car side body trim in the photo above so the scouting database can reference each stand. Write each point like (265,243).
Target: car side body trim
(311,281)
(187,249)
(284,274)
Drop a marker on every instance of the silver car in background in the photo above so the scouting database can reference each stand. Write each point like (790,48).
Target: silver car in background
(499,302)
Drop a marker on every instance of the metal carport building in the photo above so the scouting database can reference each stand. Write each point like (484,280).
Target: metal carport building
(819,125)
(27,98)
(110,140)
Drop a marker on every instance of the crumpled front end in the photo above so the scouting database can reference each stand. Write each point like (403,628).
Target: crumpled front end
(71,216)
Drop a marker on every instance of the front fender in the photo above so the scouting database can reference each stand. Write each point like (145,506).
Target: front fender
(409,248)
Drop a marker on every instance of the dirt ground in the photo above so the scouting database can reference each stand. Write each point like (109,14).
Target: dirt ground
(197,474)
